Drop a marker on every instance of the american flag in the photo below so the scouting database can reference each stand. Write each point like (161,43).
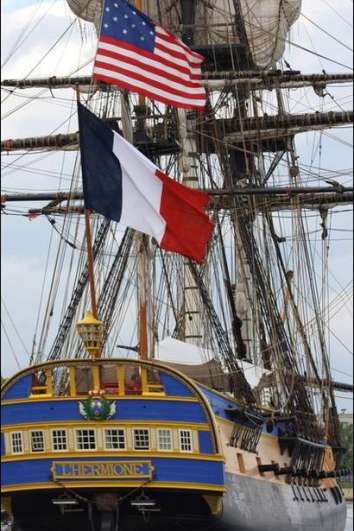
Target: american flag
(136,54)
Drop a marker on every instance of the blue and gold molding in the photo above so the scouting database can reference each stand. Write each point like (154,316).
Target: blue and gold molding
(187,473)
(167,411)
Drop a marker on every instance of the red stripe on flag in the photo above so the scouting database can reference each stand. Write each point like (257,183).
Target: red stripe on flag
(174,53)
(153,84)
(171,62)
(148,68)
(188,227)
(177,46)
(148,93)
(121,46)
(169,37)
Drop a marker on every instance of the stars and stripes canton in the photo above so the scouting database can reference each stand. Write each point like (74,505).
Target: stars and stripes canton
(135,54)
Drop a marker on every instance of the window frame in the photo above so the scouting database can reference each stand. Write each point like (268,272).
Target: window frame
(90,384)
(115,449)
(158,439)
(149,436)
(76,430)
(110,389)
(133,371)
(39,390)
(241,462)
(52,440)
(152,388)
(31,442)
(191,451)
(21,433)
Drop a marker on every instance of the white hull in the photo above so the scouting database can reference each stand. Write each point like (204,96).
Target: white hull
(254,505)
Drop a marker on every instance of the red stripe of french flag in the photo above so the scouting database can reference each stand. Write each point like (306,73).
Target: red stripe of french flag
(155,204)
(188,228)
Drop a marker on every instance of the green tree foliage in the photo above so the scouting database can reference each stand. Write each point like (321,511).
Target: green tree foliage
(347,442)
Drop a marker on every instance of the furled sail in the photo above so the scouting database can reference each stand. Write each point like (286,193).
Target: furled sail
(267,24)
(212,21)
(89,10)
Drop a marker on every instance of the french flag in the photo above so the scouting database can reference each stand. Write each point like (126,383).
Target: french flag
(120,183)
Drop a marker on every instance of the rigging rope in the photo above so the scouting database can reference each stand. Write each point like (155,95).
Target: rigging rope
(22,36)
(14,326)
(13,352)
(327,33)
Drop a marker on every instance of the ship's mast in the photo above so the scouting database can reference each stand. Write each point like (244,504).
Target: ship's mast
(258,126)
(239,172)
(91,329)
(145,321)
(190,328)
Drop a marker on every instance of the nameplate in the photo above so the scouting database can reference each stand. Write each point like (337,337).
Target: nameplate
(64,470)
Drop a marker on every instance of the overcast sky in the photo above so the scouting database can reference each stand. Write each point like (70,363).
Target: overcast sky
(30,29)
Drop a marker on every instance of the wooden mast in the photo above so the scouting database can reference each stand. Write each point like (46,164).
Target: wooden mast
(143,296)
(90,267)
(88,237)
(142,242)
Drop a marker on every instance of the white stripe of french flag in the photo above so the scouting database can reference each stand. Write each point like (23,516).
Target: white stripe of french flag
(156,205)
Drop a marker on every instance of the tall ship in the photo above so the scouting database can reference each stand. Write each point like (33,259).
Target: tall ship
(111,427)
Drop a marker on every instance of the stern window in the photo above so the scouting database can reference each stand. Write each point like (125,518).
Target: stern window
(133,384)
(17,442)
(164,439)
(59,440)
(37,441)
(61,381)
(109,379)
(185,441)
(83,380)
(114,439)
(141,440)
(40,383)
(85,439)
(153,382)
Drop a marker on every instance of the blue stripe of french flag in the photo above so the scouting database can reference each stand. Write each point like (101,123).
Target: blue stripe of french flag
(123,185)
